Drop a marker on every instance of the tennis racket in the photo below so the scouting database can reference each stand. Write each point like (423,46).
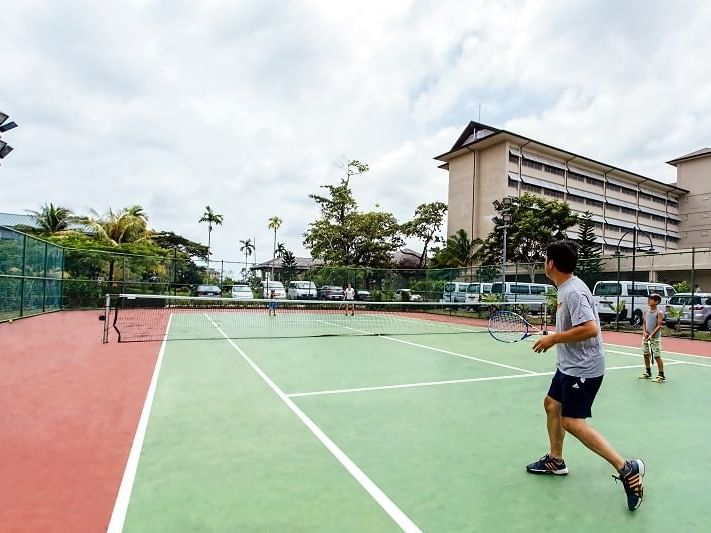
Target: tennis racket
(507,326)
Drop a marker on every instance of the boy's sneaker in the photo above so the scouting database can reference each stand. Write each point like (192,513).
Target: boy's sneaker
(632,482)
(645,375)
(659,379)
(548,465)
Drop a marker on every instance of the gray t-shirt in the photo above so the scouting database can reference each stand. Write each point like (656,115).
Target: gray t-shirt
(584,359)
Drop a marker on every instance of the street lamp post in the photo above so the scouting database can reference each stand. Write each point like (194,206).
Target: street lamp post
(5,148)
(651,250)
(504,223)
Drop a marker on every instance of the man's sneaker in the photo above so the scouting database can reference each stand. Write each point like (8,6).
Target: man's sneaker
(632,482)
(547,465)
(645,375)
(659,379)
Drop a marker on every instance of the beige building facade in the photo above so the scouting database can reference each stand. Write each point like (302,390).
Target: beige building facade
(486,164)
(693,172)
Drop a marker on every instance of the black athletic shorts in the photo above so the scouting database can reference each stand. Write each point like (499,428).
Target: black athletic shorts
(575,394)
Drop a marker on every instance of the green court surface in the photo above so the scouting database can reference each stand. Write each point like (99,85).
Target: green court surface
(418,432)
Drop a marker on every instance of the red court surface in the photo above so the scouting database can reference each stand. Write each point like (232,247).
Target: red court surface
(70,407)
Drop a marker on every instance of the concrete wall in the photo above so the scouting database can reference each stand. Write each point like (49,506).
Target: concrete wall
(461,194)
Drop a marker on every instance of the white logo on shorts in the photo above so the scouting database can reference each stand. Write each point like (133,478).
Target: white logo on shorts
(575,386)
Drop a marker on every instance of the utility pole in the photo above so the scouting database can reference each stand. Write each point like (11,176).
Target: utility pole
(504,223)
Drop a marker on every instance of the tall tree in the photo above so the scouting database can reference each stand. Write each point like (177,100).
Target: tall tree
(589,251)
(535,223)
(288,266)
(179,244)
(281,249)
(345,236)
(426,226)
(248,248)
(211,218)
(52,219)
(274,223)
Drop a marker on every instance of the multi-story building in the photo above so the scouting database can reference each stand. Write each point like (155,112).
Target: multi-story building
(486,164)
(693,172)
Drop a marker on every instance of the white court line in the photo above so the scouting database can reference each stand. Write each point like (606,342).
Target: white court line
(118,515)
(666,360)
(440,350)
(444,382)
(400,518)
(707,358)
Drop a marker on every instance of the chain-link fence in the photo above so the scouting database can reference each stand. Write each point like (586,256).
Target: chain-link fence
(37,276)
(30,275)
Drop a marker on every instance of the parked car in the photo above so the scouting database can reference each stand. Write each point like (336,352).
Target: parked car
(455,291)
(276,286)
(330,292)
(207,290)
(406,295)
(475,291)
(605,296)
(242,292)
(700,305)
(302,290)
(531,294)
(363,295)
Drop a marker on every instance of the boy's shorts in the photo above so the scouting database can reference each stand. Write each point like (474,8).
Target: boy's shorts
(652,347)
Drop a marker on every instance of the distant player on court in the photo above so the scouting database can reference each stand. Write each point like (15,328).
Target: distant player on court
(349,298)
(272,303)
(580,369)
(652,339)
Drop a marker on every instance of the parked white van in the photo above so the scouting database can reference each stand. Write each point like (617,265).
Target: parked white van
(302,290)
(533,294)
(456,291)
(476,290)
(605,295)
(276,286)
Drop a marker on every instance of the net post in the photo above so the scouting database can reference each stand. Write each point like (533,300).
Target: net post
(107,311)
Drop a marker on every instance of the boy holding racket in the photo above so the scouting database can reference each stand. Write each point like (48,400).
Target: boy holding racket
(349,299)
(652,339)
(580,369)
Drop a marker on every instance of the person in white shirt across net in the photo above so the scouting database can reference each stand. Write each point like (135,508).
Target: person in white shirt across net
(349,299)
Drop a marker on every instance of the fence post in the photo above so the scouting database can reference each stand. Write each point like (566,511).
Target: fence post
(123,277)
(618,290)
(107,312)
(61,279)
(44,280)
(693,287)
(222,272)
(22,279)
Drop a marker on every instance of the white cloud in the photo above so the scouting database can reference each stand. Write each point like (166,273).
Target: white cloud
(250,106)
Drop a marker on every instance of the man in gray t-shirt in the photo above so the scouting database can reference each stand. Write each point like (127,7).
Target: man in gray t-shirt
(581,365)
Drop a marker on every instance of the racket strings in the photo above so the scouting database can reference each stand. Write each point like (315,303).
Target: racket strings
(507,326)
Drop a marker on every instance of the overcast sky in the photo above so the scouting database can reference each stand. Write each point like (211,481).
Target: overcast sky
(248,106)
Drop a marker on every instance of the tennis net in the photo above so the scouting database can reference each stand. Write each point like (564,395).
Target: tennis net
(136,317)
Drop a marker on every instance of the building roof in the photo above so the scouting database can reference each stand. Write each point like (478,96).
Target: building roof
(15,220)
(703,152)
(302,263)
(483,136)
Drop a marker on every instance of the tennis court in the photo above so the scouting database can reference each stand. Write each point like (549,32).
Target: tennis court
(423,432)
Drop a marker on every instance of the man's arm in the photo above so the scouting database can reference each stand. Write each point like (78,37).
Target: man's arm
(578,333)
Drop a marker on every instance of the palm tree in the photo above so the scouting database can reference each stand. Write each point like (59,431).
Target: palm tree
(52,219)
(281,249)
(129,225)
(247,247)
(274,223)
(211,218)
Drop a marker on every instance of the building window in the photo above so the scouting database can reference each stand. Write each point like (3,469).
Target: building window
(627,211)
(575,198)
(673,222)
(513,158)
(552,193)
(673,204)
(593,181)
(629,192)
(658,200)
(645,196)
(532,164)
(530,188)
(554,170)
(613,188)
(513,183)
(658,218)
(594,203)
(576,177)
(645,215)
(614,208)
